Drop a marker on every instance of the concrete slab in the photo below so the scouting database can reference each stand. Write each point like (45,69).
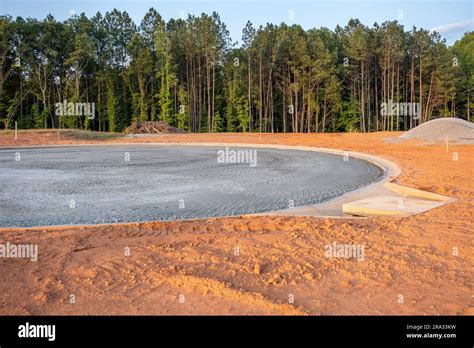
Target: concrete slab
(389,206)
(411,192)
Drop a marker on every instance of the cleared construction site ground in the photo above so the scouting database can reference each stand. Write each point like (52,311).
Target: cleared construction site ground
(418,264)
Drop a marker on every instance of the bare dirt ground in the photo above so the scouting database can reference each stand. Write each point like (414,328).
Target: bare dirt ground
(259,265)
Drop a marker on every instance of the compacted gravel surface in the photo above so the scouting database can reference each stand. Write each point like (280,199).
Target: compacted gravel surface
(126,183)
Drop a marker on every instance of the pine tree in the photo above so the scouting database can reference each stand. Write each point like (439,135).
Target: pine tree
(111,107)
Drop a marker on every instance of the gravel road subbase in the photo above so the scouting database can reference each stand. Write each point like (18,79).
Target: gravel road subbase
(97,184)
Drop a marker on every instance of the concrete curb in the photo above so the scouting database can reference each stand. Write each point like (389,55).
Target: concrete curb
(348,203)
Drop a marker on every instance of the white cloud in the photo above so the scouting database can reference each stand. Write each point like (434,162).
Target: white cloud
(452,27)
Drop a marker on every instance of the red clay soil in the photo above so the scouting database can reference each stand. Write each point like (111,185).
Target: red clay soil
(260,265)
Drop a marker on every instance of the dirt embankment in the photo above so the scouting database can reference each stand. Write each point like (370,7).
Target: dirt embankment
(266,265)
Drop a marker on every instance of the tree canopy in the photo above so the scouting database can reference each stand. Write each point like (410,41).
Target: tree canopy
(190,74)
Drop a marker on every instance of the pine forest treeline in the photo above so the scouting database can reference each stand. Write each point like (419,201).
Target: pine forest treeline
(189,73)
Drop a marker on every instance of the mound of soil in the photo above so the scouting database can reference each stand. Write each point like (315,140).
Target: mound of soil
(442,129)
(151,127)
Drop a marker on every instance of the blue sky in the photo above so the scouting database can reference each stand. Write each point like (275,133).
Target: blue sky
(451,18)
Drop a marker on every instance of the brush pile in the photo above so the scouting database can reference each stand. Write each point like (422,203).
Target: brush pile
(151,127)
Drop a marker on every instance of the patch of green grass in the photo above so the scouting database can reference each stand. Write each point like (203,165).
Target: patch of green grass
(89,135)
(69,133)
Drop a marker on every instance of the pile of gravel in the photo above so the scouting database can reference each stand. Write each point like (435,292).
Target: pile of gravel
(442,129)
